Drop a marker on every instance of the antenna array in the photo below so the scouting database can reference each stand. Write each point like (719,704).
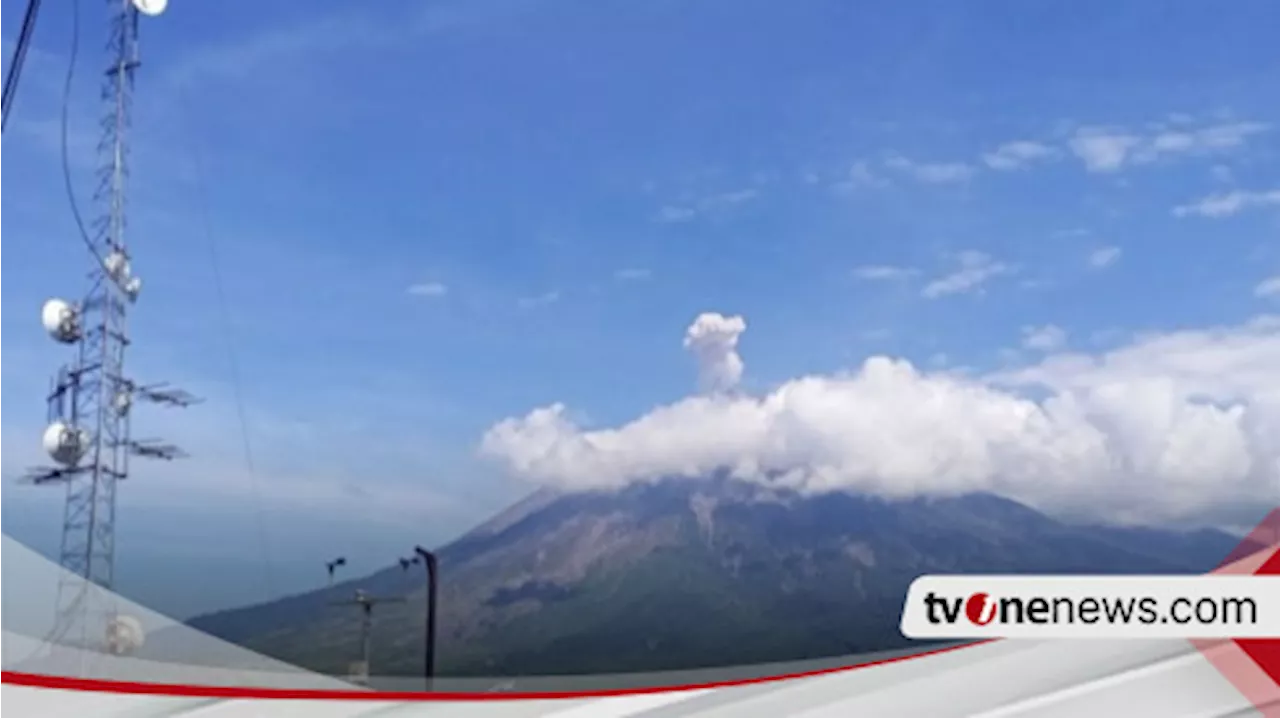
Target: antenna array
(91,400)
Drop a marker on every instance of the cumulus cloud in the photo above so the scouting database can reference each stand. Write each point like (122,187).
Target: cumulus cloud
(713,203)
(1223,136)
(883,272)
(975,270)
(861,176)
(1104,257)
(1104,149)
(1018,154)
(1225,204)
(1269,287)
(428,289)
(932,172)
(1166,428)
(713,340)
(1046,338)
(540,300)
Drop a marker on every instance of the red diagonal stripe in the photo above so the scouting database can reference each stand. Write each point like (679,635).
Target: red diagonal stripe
(1252,665)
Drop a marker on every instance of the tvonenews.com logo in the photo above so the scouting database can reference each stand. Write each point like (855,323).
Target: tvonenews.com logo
(1093,606)
(982,609)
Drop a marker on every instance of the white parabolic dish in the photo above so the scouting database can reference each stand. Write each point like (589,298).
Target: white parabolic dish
(125,634)
(58,318)
(150,7)
(64,444)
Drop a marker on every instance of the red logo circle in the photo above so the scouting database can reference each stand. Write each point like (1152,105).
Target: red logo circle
(980,609)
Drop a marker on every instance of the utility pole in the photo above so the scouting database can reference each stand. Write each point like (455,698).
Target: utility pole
(360,671)
(429,640)
(89,406)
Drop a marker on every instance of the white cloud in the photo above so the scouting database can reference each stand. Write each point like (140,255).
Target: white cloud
(861,176)
(1103,150)
(716,202)
(1268,288)
(429,289)
(1018,154)
(975,270)
(881,272)
(1225,204)
(1167,428)
(1109,149)
(713,340)
(1224,136)
(932,172)
(1046,338)
(1104,257)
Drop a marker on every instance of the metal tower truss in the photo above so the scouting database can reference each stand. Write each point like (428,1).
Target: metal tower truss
(91,401)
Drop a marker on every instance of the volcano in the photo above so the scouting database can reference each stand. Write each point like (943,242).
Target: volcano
(682,574)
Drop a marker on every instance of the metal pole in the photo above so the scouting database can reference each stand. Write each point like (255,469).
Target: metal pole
(367,640)
(366,603)
(429,657)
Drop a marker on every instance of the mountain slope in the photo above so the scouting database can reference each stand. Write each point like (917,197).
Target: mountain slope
(683,574)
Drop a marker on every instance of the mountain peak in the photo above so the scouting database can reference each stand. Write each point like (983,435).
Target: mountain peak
(683,573)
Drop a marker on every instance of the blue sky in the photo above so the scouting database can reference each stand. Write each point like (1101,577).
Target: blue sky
(429,216)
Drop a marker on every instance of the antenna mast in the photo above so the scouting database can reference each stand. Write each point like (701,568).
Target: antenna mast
(360,669)
(90,403)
